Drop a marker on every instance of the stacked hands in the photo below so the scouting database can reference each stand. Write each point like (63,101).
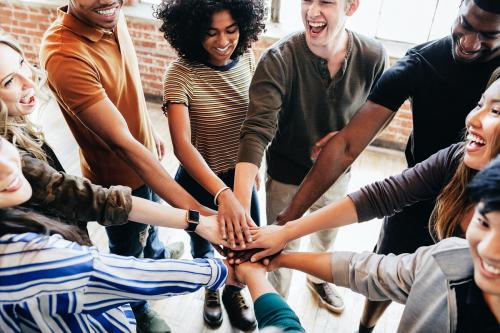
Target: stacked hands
(254,250)
(241,238)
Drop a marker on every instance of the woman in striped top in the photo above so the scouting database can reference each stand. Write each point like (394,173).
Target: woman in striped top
(206,99)
(49,282)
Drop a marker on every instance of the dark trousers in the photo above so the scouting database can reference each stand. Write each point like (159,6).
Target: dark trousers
(137,240)
(406,231)
(201,248)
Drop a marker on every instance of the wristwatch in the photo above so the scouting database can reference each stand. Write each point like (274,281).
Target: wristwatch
(193,219)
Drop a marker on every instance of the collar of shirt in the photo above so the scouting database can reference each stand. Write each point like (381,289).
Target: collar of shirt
(80,28)
(322,64)
(473,311)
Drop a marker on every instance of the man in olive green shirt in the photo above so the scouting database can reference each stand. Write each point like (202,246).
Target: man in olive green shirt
(306,86)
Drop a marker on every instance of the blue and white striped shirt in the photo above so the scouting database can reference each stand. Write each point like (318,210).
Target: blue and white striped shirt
(49,284)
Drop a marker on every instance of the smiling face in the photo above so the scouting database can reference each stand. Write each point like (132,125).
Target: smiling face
(96,13)
(483,127)
(16,86)
(14,188)
(324,20)
(475,34)
(221,38)
(483,235)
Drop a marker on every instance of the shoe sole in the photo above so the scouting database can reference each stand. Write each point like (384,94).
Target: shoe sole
(212,324)
(324,304)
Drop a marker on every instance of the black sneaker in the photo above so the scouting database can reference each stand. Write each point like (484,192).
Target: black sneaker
(212,310)
(240,314)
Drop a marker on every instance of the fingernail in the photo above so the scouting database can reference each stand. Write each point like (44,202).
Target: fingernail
(252,259)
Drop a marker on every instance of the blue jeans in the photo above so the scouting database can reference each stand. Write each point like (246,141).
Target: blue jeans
(137,240)
(201,248)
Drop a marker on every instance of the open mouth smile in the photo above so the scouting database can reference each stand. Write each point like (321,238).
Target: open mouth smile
(316,27)
(29,98)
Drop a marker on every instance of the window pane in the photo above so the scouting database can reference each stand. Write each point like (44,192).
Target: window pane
(445,15)
(366,18)
(406,20)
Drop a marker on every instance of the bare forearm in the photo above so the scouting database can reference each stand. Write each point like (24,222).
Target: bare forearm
(338,154)
(149,212)
(243,182)
(258,285)
(315,264)
(197,168)
(156,177)
(322,175)
(337,214)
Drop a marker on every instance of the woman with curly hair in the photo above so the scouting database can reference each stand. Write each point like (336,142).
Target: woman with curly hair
(206,99)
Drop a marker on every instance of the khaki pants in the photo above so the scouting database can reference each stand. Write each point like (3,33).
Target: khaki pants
(278,196)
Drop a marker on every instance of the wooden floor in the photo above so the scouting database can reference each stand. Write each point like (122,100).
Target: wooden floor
(184,313)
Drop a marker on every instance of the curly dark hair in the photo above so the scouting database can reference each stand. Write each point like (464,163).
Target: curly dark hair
(185,23)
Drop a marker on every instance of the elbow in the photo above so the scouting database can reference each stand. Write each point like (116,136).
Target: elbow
(350,154)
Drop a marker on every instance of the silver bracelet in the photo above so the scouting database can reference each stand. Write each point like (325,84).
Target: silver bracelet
(218,193)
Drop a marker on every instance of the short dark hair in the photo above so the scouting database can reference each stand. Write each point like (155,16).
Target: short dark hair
(485,187)
(186,22)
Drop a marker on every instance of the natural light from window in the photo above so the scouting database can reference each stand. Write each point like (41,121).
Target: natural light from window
(408,21)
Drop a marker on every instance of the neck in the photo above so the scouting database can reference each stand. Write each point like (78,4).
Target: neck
(493,302)
(335,49)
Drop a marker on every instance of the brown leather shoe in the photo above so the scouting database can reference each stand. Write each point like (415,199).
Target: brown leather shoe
(240,314)
(212,311)
(328,296)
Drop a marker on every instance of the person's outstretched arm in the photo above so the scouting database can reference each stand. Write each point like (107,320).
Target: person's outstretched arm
(271,310)
(273,238)
(98,281)
(76,199)
(336,156)
(378,277)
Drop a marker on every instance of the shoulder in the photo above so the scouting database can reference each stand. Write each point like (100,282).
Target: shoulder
(368,47)
(180,70)
(448,252)
(432,48)
(32,241)
(180,67)
(286,46)
(59,41)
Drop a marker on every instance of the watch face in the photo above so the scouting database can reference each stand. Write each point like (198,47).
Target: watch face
(193,216)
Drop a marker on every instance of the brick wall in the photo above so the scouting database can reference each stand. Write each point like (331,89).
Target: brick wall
(27,22)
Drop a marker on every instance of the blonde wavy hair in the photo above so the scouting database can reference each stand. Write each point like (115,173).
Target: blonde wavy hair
(20,130)
(453,204)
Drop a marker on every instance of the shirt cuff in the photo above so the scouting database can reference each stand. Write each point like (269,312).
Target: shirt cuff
(340,267)
(219,274)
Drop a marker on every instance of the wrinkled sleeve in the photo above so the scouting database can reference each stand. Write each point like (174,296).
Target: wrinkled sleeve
(117,279)
(75,198)
(422,182)
(378,277)
(267,92)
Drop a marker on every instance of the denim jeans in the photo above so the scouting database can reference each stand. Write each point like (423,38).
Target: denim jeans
(137,240)
(201,248)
